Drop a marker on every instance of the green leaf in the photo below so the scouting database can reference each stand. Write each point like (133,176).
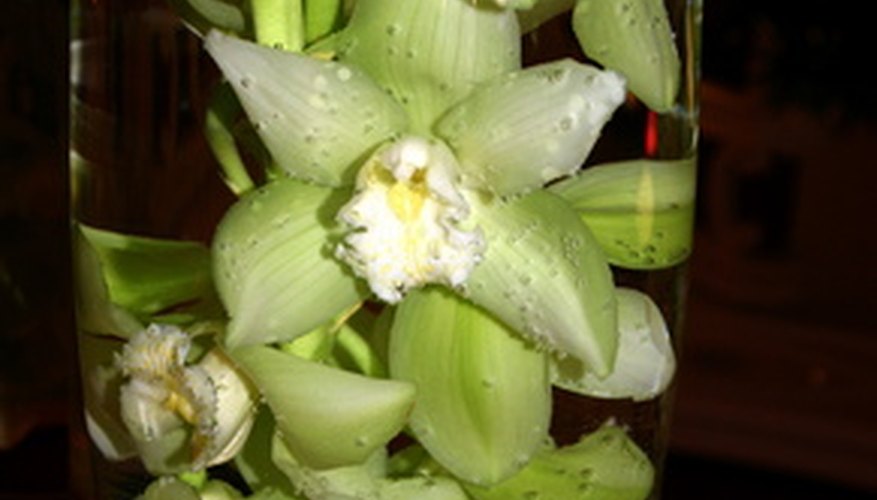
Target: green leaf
(544,275)
(429,54)
(605,465)
(645,363)
(528,128)
(149,276)
(319,119)
(273,265)
(483,400)
(328,417)
(204,15)
(641,211)
(634,38)
(96,314)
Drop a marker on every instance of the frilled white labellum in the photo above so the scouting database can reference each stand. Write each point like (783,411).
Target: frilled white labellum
(407,221)
(162,391)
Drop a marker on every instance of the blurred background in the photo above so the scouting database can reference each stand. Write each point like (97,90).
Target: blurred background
(777,394)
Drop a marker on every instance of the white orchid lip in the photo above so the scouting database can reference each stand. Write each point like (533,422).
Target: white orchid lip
(161,387)
(408,221)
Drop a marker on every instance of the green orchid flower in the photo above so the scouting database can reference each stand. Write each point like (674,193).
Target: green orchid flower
(425,166)
(440,179)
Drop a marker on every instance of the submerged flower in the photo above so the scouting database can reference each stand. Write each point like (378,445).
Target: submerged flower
(168,404)
(407,167)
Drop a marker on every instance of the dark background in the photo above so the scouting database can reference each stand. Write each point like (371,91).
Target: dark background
(777,395)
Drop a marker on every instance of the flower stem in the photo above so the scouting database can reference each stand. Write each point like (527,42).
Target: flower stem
(279,23)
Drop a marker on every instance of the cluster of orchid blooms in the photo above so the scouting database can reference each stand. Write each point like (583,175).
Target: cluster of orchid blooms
(425,258)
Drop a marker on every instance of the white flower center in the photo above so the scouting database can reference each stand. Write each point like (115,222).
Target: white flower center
(407,220)
(161,388)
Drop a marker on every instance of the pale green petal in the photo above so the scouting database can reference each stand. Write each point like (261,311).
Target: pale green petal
(483,402)
(528,128)
(352,482)
(641,211)
(427,53)
(645,363)
(162,438)
(169,488)
(204,15)
(422,488)
(545,275)
(604,465)
(236,405)
(273,265)
(220,490)
(147,277)
(634,38)
(101,383)
(318,119)
(327,417)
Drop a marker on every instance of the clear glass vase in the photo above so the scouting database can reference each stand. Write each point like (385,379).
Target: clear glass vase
(196,368)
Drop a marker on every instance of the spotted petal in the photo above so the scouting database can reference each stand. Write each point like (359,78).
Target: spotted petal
(634,38)
(429,54)
(641,211)
(528,128)
(645,363)
(317,118)
(545,275)
(273,265)
(482,406)
(327,417)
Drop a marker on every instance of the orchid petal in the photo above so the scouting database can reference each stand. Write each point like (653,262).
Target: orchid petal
(528,128)
(482,405)
(429,54)
(641,211)
(634,38)
(317,118)
(236,404)
(351,482)
(327,417)
(273,267)
(604,465)
(101,383)
(645,362)
(422,488)
(545,276)
(170,487)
